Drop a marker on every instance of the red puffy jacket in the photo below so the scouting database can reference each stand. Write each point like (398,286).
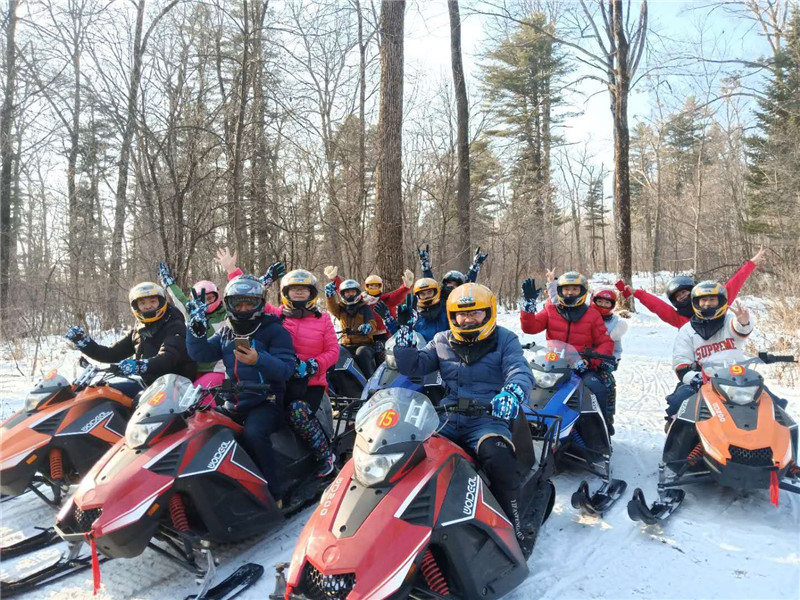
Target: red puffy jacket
(587,332)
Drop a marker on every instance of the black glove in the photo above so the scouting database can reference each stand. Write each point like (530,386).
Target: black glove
(405,311)
(478,259)
(382,310)
(529,290)
(275,271)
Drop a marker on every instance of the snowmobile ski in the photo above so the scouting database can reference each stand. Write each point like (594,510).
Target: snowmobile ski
(67,564)
(44,537)
(659,511)
(233,585)
(600,501)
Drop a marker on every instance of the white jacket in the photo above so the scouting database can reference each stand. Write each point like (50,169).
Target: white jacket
(689,347)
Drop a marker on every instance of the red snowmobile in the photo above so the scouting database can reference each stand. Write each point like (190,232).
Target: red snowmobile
(55,439)
(180,481)
(410,516)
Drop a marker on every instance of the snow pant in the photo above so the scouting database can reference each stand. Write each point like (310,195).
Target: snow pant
(611,401)
(490,440)
(682,392)
(594,382)
(365,359)
(302,403)
(130,387)
(260,422)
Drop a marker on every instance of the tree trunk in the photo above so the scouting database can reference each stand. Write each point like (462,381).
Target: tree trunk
(464,241)
(389,202)
(6,160)
(240,235)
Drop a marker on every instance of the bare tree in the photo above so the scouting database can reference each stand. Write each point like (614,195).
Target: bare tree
(7,157)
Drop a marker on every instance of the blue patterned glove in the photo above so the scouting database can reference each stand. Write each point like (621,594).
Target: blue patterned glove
(198,321)
(78,336)
(365,329)
(607,366)
(404,337)
(425,257)
(164,275)
(275,271)
(505,405)
(129,366)
(580,367)
(391,324)
(405,312)
(529,295)
(330,289)
(307,368)
(478,259)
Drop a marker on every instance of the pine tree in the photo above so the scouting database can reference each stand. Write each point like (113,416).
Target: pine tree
(595,216)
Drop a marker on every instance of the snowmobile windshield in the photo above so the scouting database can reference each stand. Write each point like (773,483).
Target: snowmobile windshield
(733,375)
(555,356)
(729,358)
(395,416)
(157,405)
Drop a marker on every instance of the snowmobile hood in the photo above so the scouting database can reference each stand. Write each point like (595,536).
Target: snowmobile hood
(339,541)
(726,428)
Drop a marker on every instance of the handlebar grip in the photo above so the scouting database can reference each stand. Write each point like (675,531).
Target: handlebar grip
(528,346)
(593,354)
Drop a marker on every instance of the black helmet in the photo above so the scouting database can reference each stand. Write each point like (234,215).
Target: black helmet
(456,277)
(244,288)
(675,285)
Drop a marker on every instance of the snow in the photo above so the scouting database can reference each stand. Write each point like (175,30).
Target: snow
(720,543)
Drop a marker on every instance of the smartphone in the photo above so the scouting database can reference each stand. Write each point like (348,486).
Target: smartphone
(242,343)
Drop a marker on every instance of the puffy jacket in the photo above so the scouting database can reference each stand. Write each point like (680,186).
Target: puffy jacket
(312,337)
(216,320)
(587,332)
(479,381)
(275,365)
(391,299)
(428,328)
(352,321)
(667,313)
(162,343)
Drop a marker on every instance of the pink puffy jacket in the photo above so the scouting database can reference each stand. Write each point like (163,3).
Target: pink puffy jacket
(313,337)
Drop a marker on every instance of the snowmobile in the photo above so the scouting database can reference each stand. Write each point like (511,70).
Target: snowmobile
(55,439)
(345,379)
(180,481)
(410,516)
(387,376)
(583,439)
(732,432)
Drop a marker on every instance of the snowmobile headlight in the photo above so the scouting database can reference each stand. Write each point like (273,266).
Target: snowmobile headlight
(737,394)
(372,469)
(547,379)
(33,400)
(136,434)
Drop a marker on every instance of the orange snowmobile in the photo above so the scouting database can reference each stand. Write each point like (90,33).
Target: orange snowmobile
(58,435)
(732,432)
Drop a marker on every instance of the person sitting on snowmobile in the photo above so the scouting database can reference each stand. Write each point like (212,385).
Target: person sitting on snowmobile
(209,374)
(157,343)
(315,344)
(255,348)
(358,322)
(679,293)
(483,364)
(430,316)
(711,329)
(571,319)
(452,279)
(373,286)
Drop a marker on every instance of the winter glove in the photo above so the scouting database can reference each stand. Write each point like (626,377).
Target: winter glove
(408,278)
(198,321)
(505,405)
(626,292)
(694,379)
(330,289)
(404,337)
(78,336)
(331,272)
(275,271)
(378,347)
(405,312)
(529,294)
(478,259)
(382,310)
(607,366)
(365,329)
(306,368)
(580,367)
(425,257)
(164,275)
(129,366)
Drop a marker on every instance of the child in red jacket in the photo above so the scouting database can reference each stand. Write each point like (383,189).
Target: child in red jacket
(573,320)
(679,290)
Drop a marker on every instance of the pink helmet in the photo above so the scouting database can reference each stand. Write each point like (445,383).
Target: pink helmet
(210,288)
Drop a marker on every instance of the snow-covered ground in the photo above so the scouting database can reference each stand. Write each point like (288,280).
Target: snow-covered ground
(720,544)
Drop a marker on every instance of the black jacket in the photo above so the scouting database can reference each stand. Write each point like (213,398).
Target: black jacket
(162,343)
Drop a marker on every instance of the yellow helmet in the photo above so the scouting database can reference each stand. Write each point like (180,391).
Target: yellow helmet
(299,277)
(374,285)
(704,289)
(572,278)
(428,283)
(148,289)
(467,298)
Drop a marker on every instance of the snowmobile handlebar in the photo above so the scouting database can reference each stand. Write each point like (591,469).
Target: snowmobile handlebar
(588,353)
(775,358)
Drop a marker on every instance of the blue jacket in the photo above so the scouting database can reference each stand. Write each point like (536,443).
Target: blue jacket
(275,365)
(429,328)
(479,381)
